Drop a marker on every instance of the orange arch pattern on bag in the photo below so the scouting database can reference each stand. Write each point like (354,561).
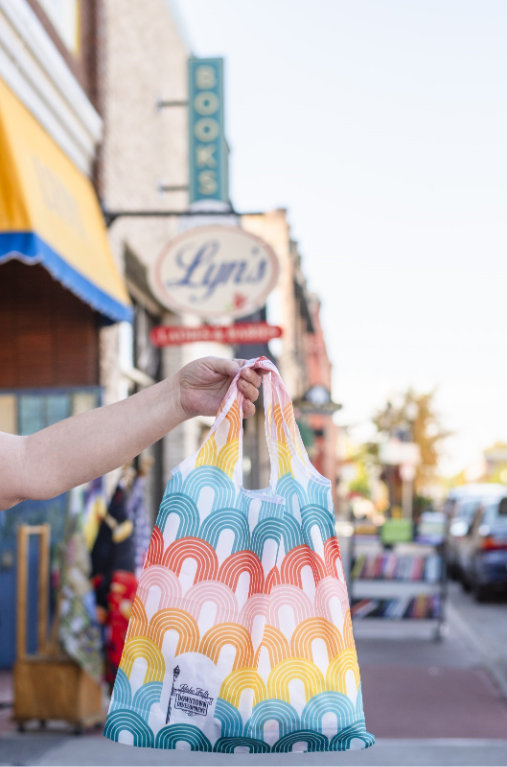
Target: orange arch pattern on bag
(241,633)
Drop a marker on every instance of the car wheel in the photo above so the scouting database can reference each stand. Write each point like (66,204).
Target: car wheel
(452,571)
(480,592)
(467,586)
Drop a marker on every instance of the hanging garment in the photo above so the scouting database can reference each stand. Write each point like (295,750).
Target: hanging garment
(95,509)
(115,583)
(137,513)
(241,635)
(78,628)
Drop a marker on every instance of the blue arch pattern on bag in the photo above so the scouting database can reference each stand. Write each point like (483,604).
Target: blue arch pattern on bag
(192,594)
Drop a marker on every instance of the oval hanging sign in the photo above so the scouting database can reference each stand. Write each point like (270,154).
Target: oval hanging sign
(214,272)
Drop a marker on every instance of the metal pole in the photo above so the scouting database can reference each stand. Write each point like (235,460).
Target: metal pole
(161,104)
(407,498)
(110,216)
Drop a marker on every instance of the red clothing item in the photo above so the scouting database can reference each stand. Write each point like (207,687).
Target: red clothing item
(121,595)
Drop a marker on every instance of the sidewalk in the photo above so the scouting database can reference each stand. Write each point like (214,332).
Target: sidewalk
(418,688)
(428,703)
(5,703)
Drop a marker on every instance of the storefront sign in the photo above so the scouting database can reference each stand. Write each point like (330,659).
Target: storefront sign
(243,333)
(394,452)
(207,146)
(213,272)
(317,401)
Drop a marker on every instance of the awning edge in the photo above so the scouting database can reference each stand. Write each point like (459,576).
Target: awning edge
(31,249)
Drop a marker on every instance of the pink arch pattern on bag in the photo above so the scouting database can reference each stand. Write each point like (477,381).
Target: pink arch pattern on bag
(240,634)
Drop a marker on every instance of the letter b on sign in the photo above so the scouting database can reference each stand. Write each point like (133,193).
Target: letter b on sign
(205,77)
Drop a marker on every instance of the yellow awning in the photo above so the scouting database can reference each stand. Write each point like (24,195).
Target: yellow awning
(49,213)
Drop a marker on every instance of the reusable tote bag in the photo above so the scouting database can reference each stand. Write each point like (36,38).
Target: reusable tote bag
(240,636)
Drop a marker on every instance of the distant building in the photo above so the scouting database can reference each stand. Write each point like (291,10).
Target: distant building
(325,431)
(301,353)
(492,466)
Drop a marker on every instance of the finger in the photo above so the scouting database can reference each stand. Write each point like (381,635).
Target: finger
(225,367)
(250,375)
(240,362)
(248,409)
(248,390)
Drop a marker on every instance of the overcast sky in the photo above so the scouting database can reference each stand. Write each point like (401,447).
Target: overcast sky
(382,126)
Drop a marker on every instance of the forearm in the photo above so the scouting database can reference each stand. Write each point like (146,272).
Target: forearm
(86,446)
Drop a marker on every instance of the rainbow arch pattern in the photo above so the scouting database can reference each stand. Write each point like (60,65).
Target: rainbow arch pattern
(243,593)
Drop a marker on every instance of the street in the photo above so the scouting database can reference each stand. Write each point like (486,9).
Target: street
(427,702)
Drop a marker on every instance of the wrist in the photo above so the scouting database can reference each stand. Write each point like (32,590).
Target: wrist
(175,409)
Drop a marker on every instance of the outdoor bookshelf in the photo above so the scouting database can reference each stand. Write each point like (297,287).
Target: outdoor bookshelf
(398,579)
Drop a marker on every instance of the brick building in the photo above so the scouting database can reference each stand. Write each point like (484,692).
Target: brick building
(59,284)
(142,59)
(301,353)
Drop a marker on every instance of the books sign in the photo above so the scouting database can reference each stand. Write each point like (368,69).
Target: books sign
(214,272)
(207,148)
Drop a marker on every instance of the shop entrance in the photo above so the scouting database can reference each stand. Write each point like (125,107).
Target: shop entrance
(29,411)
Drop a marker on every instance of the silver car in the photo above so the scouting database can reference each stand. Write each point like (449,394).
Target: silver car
(482,552)
(460,507)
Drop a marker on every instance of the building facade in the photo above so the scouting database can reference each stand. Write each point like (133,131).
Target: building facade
(141,60)
(59,284)
(301,353)
(87,138)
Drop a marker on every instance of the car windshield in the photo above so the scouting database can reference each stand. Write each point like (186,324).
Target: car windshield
(466,510)
(495,514)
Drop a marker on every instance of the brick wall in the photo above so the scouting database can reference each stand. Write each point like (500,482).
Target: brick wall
(140,58)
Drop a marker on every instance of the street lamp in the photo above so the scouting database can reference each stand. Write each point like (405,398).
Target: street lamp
(176,673)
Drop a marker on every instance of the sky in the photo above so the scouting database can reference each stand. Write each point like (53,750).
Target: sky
(381,125)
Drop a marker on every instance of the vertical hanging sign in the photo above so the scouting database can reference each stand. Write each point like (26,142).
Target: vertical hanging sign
(207,145)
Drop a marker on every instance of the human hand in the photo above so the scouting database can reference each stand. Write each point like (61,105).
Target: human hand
(204,383)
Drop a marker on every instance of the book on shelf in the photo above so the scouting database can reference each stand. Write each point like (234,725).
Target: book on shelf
(362,608)
(421,607)
(406,567)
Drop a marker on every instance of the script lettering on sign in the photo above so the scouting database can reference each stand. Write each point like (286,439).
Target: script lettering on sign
(214,272)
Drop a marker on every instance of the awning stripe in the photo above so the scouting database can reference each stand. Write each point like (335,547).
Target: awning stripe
(31,249)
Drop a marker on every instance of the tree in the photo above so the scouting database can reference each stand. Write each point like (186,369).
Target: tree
(415,419)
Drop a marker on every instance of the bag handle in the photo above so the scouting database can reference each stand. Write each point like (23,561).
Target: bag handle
(282,434)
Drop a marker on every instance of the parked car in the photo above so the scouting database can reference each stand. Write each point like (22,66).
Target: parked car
(482,551)
(460,508)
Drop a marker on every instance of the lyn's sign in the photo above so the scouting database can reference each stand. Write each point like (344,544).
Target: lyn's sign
(214,272)
(208,153)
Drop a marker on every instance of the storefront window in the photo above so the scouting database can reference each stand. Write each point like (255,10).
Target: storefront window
(25,412)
